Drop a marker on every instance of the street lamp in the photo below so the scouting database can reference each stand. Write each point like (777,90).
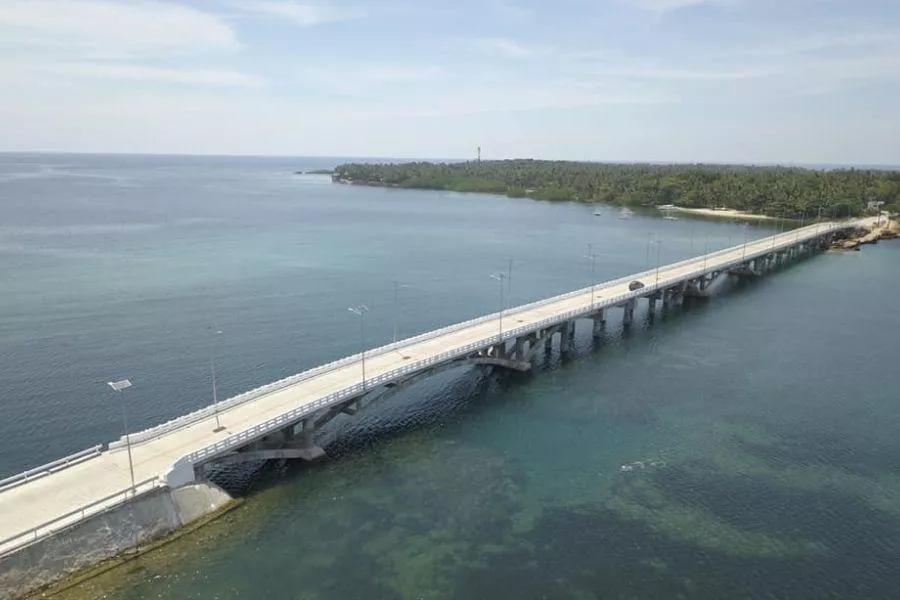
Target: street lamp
(397,288)
(360,311)
(775,235)
(658,244)
(705,252)
(593,258)
(118,386)
(212,368)
(509,283)
(746,226)
(647,258)
(500,277)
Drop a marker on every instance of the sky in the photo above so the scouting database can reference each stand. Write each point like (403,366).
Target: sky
(758,81)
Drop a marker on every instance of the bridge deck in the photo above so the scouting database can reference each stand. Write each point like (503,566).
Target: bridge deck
(104,480)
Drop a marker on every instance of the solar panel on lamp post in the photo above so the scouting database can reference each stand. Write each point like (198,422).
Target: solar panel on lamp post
(397,288)
(118,386)
(360,311)
(500,277)
(658,244)
(593,259)
(212,368)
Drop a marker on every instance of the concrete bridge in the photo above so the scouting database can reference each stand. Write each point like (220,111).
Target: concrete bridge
(280,420)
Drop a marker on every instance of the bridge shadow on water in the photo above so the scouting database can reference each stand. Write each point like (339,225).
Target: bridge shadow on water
(451,397)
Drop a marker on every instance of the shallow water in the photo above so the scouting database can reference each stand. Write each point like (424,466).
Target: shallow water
(758,432)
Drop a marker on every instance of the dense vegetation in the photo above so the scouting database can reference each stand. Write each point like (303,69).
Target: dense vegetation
(775,191)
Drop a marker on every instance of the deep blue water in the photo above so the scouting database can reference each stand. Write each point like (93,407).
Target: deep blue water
(761,428)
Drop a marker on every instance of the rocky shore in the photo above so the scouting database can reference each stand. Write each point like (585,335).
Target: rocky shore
(889,230)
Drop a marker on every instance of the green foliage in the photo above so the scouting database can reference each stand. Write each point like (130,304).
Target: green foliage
(776,191)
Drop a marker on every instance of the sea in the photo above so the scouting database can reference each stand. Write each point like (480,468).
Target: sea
(743,447)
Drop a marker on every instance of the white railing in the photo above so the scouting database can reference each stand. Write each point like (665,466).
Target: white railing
(29,536)
(51,467)
(208,411)
(262,429)
(71,518)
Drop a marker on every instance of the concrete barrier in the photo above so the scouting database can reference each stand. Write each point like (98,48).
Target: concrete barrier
(107,534)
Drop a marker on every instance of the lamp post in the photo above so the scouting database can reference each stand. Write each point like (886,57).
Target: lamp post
(593,258)
(360,311)
(746,226)
(118,386)
(775,235)
(500,277)
(658,244)
(705,252)
(509,283)
(647,258)
(212,368)
(397,288)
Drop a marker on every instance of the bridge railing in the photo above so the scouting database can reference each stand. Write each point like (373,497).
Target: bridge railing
(76,516)
(299,413)
(51,467)
(235,401)
(80,514)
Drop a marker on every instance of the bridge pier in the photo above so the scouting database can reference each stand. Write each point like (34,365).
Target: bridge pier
(652,299)
(628,317)
(567,338)
(599,323)
(520,347)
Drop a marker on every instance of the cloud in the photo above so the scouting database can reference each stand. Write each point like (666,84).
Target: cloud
(511,12)
(398,74)
(112,29)
(131,72)
(662,6)
(824,42)
(304,14)
(504,47)
(688,74)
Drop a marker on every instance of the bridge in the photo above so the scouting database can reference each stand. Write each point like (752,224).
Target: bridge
(280,420)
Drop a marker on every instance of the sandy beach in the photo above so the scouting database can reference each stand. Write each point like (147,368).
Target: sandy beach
(725,213)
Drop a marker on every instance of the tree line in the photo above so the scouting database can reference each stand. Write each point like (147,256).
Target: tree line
(775,191)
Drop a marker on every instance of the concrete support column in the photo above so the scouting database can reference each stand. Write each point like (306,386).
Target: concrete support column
(305,440)
(599,323)
(628,317)
(667,299)
(567,338)
(548,346)
(520,348)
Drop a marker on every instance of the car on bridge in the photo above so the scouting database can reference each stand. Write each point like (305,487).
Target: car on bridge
(635,285)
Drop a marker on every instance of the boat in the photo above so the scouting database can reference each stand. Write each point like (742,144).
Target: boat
(597,212)
(670,218)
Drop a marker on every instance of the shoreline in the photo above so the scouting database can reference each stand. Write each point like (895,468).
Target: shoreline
(725,213)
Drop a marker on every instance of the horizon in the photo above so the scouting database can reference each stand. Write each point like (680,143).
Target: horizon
(687,81)
(450,160)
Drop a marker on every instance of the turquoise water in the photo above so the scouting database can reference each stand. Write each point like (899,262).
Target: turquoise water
(758,432)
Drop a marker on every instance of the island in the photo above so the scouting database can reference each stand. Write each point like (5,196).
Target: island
(315,172)
(781,192)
